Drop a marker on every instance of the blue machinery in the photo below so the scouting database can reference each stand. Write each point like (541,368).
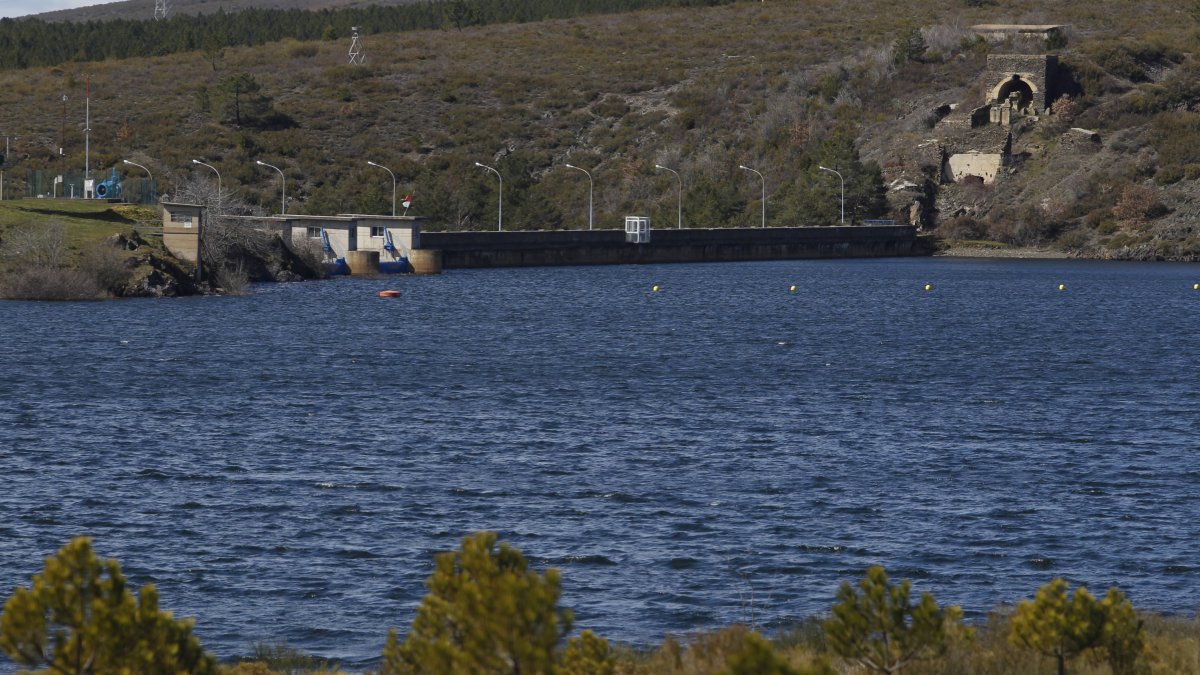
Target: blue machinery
(109,188)
(398,264)
(335,266)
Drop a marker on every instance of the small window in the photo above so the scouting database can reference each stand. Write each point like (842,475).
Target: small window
(377,232)
(314,233)
(184,219)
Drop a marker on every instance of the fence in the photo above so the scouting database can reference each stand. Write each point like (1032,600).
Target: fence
(70,184)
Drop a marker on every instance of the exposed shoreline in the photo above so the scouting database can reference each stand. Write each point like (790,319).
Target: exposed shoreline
(1026,252)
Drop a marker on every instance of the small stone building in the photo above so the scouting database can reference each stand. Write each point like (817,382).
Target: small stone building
(1019,84)
(393,237)
(181,230)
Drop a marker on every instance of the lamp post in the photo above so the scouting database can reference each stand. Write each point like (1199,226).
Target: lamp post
(214,169)
(679,222)
(843,182)
(200,234)
(147,173)
(282,183)
(591,185)
(500,203)
(764,192)
(393,184)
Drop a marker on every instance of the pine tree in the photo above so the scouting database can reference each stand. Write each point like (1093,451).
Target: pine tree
(79,617)
(1058,625)
(486,612)
(882,630)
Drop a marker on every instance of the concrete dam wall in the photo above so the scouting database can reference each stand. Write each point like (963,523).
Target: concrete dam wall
(609,247)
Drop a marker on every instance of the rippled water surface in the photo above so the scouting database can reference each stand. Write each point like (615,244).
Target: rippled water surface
(284,466)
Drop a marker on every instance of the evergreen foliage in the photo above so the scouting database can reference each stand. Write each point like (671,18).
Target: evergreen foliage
(588,654)
(1063,626)
(882,630)
(79,617)
(1057,624)
(244,102)
(1123,637)
(486,612)
(910,47)
(26,43)
(758,657)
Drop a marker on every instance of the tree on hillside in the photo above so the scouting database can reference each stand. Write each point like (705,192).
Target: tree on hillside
(79,617)
(817,198)
(244,101)
(486,612)
(459,14)
(910,46)
(882,630)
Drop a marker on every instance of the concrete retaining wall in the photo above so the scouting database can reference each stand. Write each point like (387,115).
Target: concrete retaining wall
(608,247)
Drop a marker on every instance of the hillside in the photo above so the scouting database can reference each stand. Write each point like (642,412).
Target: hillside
(782,87)
(143,9)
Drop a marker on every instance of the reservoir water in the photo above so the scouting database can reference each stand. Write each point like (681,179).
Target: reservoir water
(285,465)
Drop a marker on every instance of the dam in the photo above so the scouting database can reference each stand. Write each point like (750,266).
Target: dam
(617,247)
(367,244)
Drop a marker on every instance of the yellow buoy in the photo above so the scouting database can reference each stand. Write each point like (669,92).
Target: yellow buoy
(792,288)
(655,289)
(1196,287)
(1062,287)
(928,287)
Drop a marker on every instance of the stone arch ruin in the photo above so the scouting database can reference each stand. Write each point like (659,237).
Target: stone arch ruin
(1014,92)
(1028,74)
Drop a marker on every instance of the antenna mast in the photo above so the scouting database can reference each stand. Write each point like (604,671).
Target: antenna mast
(358,50)
(87,133)
(160,10)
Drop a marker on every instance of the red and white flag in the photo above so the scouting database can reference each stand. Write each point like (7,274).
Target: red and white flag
(407,201)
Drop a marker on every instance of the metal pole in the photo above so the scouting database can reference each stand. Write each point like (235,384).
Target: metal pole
(591,185)
(764,193)
(679,222)
(196,161)
(393,184)
(843,182)
(500,215)
(283,182)
(87,134)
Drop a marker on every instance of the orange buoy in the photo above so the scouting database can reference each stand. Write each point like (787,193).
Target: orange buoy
(389,294)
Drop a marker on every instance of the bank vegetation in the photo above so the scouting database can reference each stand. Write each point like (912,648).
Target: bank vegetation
(487,611)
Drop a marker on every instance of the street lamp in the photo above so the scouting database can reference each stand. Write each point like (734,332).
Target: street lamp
(843,182)
(196,161)
(764,193)
(500,212)
(282,182)
(147,173)
(393,184)
(679,223)
(591,185)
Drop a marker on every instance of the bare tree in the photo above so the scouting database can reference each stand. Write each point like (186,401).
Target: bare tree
(227,241)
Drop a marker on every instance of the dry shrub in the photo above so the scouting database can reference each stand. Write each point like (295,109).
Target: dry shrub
(37,282)
(107,265)
(1023,226)
(35,246)
(1137,206)
(233,280)
(719,652)
(961,227)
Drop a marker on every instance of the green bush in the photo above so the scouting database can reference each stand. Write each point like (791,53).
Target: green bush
(79,616)
(486,612)
(879,628)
